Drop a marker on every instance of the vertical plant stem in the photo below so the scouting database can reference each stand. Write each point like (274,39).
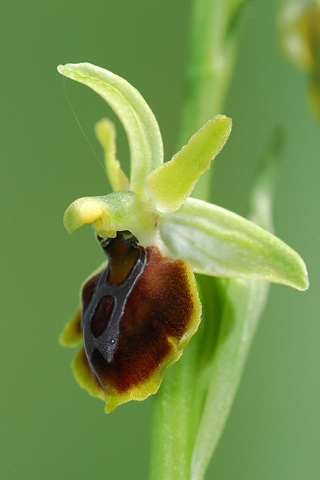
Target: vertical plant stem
(214,35)
(174,421)
(178,405)
(177,410)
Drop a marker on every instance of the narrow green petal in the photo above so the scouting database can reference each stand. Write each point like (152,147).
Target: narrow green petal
(220,243)
(174,181)
(106,134)
(138,120)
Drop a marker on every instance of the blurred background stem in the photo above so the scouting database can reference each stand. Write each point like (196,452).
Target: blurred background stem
(214,36)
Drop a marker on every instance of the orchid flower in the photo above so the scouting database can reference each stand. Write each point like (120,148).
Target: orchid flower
(140,309)
(299,24)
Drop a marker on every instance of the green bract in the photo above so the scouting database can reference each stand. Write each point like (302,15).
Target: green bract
(154,205)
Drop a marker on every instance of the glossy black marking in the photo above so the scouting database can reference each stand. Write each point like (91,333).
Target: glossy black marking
(102,335)
(102,316)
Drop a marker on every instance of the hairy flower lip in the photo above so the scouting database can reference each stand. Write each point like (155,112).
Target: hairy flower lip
(152,318)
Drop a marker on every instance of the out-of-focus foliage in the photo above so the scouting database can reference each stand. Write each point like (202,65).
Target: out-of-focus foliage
(300,38)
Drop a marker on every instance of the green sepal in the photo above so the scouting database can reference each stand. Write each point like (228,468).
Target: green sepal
(218,242)
(173,182)
(138,120)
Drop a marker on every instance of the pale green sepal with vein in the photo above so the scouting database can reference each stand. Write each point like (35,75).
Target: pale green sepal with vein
(106,134)
(218,242)
(138,120)
(174,181)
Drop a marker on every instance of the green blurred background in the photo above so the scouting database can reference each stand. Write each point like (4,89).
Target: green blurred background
(50,428)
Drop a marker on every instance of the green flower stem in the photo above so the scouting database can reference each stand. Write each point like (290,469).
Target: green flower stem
(175,422)
(178,404)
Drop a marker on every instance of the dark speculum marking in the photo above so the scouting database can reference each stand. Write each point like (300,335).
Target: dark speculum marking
(102,316)
(126,325)
(105,295)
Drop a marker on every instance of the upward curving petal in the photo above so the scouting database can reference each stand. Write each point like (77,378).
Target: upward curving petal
(138,120)
(173,182)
